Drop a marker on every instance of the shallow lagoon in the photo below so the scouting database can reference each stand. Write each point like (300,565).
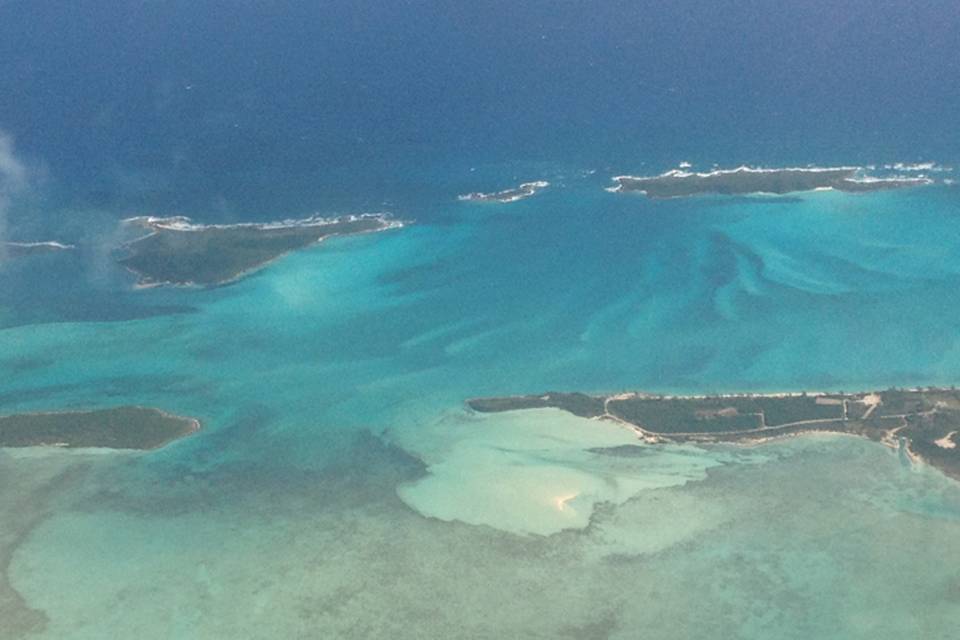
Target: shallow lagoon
(340,488)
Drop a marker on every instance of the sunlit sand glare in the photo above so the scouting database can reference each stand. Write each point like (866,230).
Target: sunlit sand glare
(561,501)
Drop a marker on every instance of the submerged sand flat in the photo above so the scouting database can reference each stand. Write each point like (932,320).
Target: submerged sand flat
(272,552)
(532,472)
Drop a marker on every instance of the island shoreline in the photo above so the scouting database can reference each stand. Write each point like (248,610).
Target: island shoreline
(921,421)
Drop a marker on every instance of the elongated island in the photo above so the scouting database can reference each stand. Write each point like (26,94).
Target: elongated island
(125,427)
(679,183)
(924,422)
(177,251)
(525,190)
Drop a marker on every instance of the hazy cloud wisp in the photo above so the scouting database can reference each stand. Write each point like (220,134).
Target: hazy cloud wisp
(13,179)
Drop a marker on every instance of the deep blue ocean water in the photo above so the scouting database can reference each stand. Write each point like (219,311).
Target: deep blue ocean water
(279,104)
(338,487)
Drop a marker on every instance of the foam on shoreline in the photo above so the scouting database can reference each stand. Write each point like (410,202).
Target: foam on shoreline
(183,223)
(51,244)
(682,182)
(525,190)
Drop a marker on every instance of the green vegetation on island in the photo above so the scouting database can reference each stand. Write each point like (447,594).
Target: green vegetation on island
(925,422)
(679,183)
(115,428)
(179,252)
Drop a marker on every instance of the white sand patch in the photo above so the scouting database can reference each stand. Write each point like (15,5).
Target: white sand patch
(530,472)
(947,442)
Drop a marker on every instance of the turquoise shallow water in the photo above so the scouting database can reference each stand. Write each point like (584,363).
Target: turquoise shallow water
(339,488)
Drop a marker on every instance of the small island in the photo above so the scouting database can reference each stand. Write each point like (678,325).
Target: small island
(924,423)
(177,251)
(23,249)
(679,183)
(140,428)
(525,190)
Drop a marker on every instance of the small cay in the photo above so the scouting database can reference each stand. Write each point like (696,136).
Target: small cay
(116,428)
(525,190)
(179,252)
